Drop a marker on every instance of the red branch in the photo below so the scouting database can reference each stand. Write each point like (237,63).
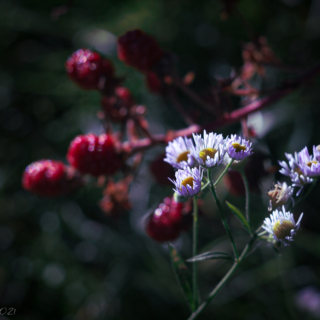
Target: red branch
(227,119)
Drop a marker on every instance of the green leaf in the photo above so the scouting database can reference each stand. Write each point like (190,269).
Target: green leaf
(183,274)
(211,255)
(239,215)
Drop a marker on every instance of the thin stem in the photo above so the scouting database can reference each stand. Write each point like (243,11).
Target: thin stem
(194,252)
(223,218)
(246,185)
(223,280)
(223,173)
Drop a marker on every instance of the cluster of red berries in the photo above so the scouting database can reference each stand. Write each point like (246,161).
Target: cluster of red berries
(172,217)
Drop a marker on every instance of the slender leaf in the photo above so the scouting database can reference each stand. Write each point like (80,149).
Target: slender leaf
(183,274)
(239,215)
(211,255)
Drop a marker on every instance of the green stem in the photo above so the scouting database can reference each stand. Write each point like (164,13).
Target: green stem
(223,173)
(194,252)
(223,280)
(223,218)
(205,186)
(246,185)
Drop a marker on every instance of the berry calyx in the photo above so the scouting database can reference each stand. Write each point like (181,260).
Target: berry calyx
(95,155)
(87,68)
(50,178)
(139,50)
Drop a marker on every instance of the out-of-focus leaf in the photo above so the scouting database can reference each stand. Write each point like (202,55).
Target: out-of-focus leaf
(210,255)
(239,215)
(183,274)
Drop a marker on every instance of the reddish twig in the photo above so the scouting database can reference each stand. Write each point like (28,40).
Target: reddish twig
(227,119)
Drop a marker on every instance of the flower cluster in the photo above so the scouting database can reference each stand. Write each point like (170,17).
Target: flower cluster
(303,169)
(192,157)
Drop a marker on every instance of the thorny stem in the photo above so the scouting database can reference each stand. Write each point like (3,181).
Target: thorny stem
(226,119)
(194,252)
(223,218)
(224,280)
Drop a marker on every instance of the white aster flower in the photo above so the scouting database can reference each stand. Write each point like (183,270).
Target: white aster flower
(188,181)
(309,164)
(238,148)
(209,151)
(178,153)
(279,195)
(294,172)
(282,226)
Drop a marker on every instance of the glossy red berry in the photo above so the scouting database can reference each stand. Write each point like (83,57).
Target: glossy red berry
(86,68)
(139,50)
(117,106)
(166,223)
(50,178)
(95,155)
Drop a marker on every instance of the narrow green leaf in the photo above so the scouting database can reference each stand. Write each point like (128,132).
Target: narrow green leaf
(210,255)
(239,215)
(183,274)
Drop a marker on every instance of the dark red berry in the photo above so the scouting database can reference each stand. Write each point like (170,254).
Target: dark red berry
(166,223)
(86,68)
(139,50)
(50,178)
(117,106)
(162,170)
(95,155)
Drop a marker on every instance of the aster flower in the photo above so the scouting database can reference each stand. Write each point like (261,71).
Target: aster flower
(279,195)
(316,152)
(308,164)
(294,172)
(178,153)
(238,148)
(209,151)
(282,226)
(188,181)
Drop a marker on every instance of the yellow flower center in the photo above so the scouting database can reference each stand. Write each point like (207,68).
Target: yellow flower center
(209,152)
(283,230)
(239,147)
(310,163)
(188,181)
(183,156)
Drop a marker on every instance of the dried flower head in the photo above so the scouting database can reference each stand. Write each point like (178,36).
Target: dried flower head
(279,195)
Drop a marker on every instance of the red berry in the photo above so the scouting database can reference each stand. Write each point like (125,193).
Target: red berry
(162,170)
(139,50)
(49,178)
(166,223)
(86,67)
(117,106)
(95,155)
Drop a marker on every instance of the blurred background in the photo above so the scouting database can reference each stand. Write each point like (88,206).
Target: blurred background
(64,258)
